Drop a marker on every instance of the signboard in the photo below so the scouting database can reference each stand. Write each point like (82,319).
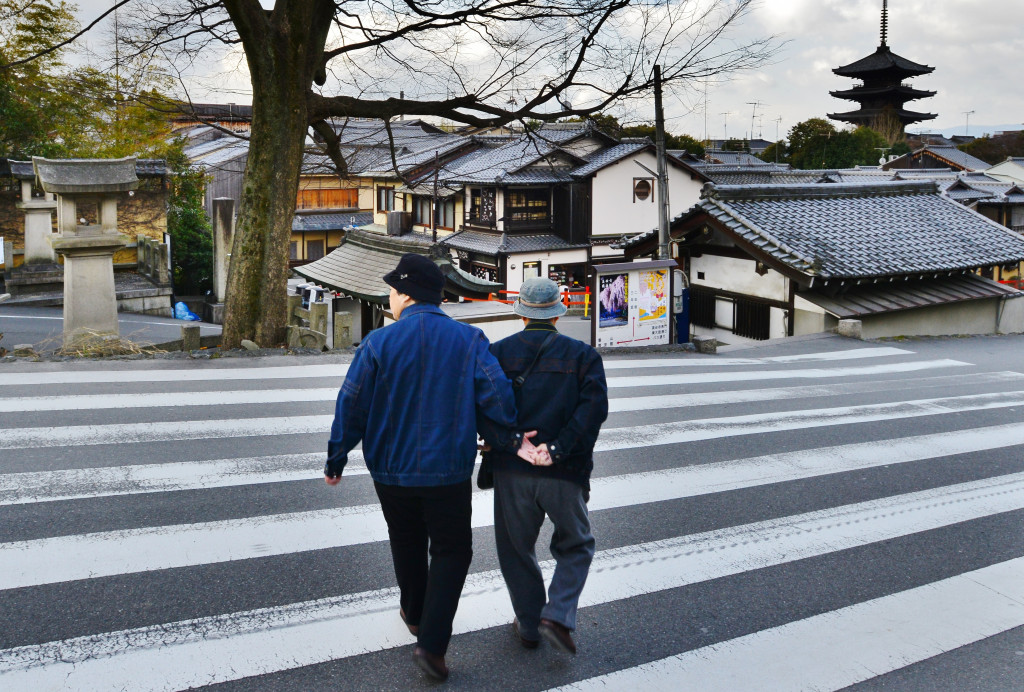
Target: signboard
(633,304)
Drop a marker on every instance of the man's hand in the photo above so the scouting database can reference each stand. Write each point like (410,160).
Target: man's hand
(332,481)
(527,450)
(541,455)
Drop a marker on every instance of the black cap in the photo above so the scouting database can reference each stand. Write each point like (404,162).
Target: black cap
(417,277)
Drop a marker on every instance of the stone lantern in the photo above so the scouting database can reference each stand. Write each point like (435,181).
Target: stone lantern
(90,300)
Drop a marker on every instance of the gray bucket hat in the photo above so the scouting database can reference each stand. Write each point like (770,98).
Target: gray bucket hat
(539,299)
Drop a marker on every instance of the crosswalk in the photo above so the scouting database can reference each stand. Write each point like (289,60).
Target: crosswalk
(821,516)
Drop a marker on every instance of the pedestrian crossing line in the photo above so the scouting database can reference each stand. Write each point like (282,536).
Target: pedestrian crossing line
(839,648)
(95,402)
(71,484)
(207,374)
(718,361)
(745,396)
(267,640)
(795,374)
(610,439)
(759,423)
(197,374)
(69,558)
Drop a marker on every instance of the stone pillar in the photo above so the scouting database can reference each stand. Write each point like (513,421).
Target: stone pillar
(38,226)
(223,235)
(90,298)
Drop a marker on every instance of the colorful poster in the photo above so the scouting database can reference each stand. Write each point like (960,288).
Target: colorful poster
(653,299)
(614,300)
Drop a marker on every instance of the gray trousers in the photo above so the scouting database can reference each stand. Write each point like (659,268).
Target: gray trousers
(520,503)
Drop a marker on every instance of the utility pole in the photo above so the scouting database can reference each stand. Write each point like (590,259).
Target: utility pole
(725,127)
(433,203)
(659,128)
(777,121)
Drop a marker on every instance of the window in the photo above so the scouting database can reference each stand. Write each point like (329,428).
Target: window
(483,271)
(421,212)
(528,206)
(293,250)
(385,199)
(643,189)
(481,206)
(314,250)
(531,270)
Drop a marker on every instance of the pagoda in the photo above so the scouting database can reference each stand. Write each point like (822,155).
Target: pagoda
(882,91)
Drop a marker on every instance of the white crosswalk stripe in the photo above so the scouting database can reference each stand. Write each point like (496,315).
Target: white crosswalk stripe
(891,448)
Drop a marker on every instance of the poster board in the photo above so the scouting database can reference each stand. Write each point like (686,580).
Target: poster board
(633,302)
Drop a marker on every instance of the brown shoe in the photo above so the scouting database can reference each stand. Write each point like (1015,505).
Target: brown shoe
(527,643)
(414,630)
(434,666)
(558,635)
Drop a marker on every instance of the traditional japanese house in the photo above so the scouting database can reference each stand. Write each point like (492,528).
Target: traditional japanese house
(768,261)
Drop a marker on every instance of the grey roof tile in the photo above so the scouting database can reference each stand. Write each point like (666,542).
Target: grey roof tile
(330,222)
(491,243)
(859,231)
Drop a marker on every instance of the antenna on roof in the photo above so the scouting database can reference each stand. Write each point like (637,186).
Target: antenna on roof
(885,19)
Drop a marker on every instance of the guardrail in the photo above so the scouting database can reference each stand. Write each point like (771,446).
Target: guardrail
(567,299)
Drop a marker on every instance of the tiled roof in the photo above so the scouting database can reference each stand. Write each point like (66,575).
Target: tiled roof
(847,231)
(882,59)
(357,267)
(491,243)
(958,158)
(609,155)
(493,162)
(313,221)
(144,168)
(734,158)
(843,231)
(873,299)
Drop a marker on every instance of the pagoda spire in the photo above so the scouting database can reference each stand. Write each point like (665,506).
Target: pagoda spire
(885,20)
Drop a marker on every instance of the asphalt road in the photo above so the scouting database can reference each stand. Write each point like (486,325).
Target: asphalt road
(42,327)
(817,514)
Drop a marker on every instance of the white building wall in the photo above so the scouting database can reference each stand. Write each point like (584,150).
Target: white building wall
(613,210)
(514,263)
(738,276)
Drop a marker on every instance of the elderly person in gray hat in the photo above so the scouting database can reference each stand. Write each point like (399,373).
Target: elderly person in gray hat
(414,395)
(561,393)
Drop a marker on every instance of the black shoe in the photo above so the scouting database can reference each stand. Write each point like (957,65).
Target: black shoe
(434,666)
(527,643)
(558,635)
(414,630)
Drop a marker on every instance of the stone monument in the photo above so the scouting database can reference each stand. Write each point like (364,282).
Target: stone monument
(223,237)
(39,272)
(90,301)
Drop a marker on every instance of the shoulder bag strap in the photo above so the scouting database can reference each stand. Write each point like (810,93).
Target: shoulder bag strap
(521,378)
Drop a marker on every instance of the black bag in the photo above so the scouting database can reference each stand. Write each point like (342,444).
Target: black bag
(485,476)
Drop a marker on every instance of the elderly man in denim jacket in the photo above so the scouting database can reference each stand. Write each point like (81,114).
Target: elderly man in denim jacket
(414,395)
(564,398)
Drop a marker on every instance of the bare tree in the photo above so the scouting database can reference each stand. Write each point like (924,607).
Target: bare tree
(476,62)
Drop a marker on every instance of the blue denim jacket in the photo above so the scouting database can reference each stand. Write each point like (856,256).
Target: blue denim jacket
(413,395)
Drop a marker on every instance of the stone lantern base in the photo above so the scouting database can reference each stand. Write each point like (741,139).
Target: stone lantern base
(90,301)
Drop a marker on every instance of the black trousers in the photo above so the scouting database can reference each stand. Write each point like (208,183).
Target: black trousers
(434,518)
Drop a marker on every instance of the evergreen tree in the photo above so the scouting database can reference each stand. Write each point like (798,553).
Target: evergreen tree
(191,235)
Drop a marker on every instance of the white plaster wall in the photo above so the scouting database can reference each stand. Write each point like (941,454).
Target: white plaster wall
(1007,171)
(969,317)
(546,259)
(615,212)
(738,276)
(777,323)
(1012,319)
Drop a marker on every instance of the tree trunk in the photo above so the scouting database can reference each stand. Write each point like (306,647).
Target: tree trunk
(258,274)
(283,52)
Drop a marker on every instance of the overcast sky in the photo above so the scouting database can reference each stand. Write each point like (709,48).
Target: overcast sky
(976,48)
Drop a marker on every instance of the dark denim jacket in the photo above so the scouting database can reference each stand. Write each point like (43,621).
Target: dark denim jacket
(413,395)
(565,399)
